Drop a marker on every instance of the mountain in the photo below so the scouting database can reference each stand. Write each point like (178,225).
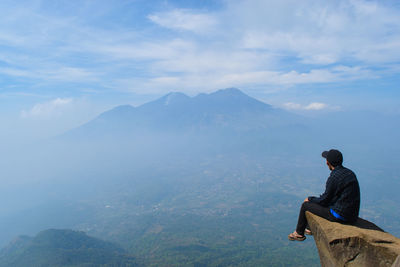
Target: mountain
(63,248)
(227,109)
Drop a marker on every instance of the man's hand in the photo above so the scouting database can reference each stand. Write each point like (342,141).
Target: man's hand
(306,200)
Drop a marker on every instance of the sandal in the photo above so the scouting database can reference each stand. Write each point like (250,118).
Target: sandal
(308,232)
(296,237)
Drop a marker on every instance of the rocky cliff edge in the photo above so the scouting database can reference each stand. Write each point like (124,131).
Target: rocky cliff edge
(362,244)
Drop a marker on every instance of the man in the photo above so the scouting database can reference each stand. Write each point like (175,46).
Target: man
(339,203)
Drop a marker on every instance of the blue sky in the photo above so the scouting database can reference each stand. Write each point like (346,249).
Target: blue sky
(63,62)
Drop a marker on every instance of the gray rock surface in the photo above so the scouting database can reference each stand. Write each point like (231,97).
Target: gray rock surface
(362,244)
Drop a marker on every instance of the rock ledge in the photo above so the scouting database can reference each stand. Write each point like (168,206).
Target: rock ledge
(362,244)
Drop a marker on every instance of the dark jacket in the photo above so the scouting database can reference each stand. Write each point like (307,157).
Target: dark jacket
(342,194)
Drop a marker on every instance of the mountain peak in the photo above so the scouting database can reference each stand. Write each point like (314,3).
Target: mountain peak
(174,97)
(229,91)
(234,100)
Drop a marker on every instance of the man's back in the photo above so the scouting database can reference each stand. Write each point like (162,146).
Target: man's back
(346,196)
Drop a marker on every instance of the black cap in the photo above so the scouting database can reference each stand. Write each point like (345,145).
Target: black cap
(333,156)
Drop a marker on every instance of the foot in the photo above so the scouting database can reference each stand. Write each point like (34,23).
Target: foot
(307,232)
(296,237)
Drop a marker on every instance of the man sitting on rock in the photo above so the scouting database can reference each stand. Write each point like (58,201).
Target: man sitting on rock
(339,203)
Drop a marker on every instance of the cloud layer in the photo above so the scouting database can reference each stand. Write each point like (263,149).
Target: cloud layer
(134,47)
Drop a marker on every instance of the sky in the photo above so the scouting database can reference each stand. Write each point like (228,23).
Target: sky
(64,62)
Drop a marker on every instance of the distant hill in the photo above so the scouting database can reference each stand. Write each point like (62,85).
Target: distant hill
(63,248)
(226,121)
(227,109)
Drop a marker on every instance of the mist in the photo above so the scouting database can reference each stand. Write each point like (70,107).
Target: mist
(106,176)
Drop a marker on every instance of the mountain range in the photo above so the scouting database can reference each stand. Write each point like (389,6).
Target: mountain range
(227,109)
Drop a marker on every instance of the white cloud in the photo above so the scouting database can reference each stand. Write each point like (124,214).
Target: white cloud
(69,74)
(156,50)
(311,106)
(316,106)
(321,32)
(66,74)
(245,43)
(48,110)
(225,77)
(283,78)
(182,19)
(16,72)
(268,43)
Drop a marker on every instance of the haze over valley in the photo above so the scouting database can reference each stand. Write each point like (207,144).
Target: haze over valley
(211,179)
